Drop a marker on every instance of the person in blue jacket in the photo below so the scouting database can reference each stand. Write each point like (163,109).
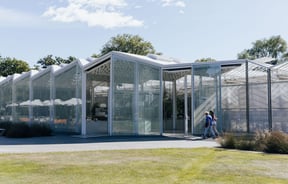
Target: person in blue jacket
(208,125)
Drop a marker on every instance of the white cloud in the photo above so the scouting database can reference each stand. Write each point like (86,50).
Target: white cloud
(176,3)
(103,13)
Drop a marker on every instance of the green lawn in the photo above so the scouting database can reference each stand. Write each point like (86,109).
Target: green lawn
(157,166)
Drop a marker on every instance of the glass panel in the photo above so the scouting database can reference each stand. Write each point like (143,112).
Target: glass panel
(22,99)
(123,97)
(67,101)
(233,81)
(206,94)
(180,102)
(149,100)
(258,98)
(168,107)
(6,102)
(41,94)
(279,95)
(97,92)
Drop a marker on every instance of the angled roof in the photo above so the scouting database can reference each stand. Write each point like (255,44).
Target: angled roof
(150,59)
(2,78)
(80,62)
(256,69)
(281,71)
(51,68)
(26,74)
(9,78)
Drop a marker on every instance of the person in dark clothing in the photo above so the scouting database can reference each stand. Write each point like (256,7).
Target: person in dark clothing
(208,125)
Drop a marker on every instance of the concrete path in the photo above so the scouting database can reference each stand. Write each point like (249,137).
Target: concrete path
(72,143)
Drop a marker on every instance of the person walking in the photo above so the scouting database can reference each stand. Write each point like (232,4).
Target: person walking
(214,123)
(208,125)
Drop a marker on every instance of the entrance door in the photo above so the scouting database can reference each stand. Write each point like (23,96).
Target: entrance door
(97,93)
(177,91)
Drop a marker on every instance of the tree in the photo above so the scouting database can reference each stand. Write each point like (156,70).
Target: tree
(275,47)
(205,60)
(128,43)
(95,56)
(49,60)
(9,66)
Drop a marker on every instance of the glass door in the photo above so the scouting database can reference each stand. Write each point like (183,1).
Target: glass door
(97,93)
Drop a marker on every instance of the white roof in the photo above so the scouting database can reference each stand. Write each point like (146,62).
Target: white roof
(2,78)
(10,78)
(81,62)
(26,74)
(256,68)
(281,70)
(51,68)
(152,59)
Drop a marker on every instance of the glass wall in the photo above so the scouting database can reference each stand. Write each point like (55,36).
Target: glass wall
(180,102)
(136,98)
(206,94)
(41,97)
(245,104)
(168,125)
(279,97)
(258,98)
(234,98)
(67,100)
(21,92)
(124,92)
(148,100)
(97,93)
(6,105)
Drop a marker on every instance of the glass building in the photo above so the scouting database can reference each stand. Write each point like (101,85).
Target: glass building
(128,94)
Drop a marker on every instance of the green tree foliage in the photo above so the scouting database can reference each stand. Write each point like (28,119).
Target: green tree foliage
(49,60)
(275,47)
(9,66)
(95,55)
(128,43)
(205,60)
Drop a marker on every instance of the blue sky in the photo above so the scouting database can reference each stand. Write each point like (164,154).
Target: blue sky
(184,29)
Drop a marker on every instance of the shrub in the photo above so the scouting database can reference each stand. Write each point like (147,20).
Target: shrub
(244,144)
(269,142)
(5,125)
(227,141)
(21,130)
(277,142)
(17,130)
(42,129)
(260,140)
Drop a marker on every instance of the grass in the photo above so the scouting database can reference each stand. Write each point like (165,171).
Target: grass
(177,166)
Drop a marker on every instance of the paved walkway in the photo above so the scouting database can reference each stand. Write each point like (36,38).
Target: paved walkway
(73,143)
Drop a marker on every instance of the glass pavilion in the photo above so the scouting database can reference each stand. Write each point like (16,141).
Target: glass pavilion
(127,94)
